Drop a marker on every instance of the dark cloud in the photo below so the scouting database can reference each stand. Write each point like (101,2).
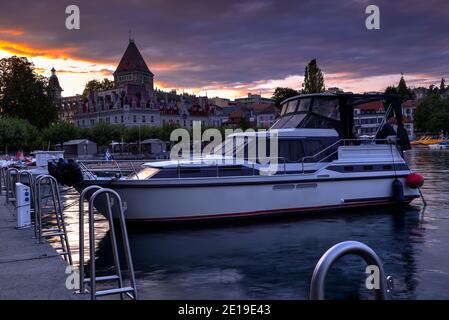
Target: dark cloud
(215,41)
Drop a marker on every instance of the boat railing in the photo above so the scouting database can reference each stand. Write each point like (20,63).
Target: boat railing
(95,168)
(340,143)
(122,167)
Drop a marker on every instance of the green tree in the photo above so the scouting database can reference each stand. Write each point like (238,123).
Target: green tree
(165,131)
(443,86)
(403,90)
(60,132)
(96,85)
(25,94)
(439,121)
(104,133)
(429,112)
(15,134)
(135,133)
(313,78)
(280,94)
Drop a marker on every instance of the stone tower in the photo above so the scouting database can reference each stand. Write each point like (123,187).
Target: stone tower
(132,69)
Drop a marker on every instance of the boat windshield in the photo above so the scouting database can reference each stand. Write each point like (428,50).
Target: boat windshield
(327,108)
(236,146)
(296,106)
(143,174)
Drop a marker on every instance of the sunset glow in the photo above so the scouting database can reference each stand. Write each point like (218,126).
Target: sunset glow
(219,59)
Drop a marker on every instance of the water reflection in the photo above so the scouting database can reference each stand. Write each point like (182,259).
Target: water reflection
(275,259)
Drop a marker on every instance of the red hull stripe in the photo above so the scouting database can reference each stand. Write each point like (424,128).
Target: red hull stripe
(279,211)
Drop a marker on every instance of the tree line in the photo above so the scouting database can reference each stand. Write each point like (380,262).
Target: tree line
(19,134)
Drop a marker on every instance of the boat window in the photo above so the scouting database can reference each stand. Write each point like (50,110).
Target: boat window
(281,122)
(294,121)
(284,108)
(291,107)
(312,147)
(291,150)
(304,105)
(315,121)
(327,108)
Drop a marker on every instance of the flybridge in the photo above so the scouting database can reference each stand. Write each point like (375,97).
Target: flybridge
(336,111)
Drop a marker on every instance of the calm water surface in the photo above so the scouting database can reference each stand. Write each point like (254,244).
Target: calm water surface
(275,259)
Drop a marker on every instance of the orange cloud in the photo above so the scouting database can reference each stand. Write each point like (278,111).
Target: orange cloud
(22,49)
(25,50)
(11,32)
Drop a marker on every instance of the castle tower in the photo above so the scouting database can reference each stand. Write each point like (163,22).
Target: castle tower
(53,83)
(132,69)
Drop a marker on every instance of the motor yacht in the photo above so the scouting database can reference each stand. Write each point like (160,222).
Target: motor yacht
(320,165)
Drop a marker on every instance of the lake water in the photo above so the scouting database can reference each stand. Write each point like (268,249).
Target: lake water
(275,259)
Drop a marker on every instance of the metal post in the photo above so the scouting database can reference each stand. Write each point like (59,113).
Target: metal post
(81,234)
(10,183)
(336,252)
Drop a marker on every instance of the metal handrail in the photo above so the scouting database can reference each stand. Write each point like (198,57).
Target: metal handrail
(384,120)
(335,144)
(130,291)
(61,230)
(2,179)
(179,165)
(336,252)
(10,187)
(86,169)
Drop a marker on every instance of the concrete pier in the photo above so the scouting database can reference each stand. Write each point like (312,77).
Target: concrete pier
(29,270)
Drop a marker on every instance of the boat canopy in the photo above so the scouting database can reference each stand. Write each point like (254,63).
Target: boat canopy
(336,110)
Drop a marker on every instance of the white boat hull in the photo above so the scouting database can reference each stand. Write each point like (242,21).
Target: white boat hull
(215,202)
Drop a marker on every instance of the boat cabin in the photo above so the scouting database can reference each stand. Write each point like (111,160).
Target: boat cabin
(336,111)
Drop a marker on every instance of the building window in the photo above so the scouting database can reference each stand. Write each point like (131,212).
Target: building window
(135,118)
(152,119)
(143,119)
(121,119)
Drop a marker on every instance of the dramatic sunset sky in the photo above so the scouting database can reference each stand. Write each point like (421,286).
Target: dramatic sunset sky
(229,48)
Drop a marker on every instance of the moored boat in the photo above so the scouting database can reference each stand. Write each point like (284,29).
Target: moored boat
(320,165)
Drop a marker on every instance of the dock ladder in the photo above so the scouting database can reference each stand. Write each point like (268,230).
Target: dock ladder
(10,182)
(2,179)
(112,199)
(342,249)
(46,188)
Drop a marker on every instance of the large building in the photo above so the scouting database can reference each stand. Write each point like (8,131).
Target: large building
(254,99)
(134,101)
(368,117)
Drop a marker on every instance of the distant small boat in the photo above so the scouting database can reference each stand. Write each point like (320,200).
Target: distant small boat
(443,145)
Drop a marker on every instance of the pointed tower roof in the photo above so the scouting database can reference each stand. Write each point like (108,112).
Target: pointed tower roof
(132,60)
(53,82)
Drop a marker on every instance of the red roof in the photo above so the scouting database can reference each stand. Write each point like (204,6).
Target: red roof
(376,105)
(408,104)
(236,114)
